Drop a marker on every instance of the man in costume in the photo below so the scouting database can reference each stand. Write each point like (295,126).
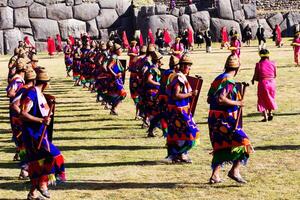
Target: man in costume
(183,132)
(265,74)
(230,143)
(68,49)
(45,162)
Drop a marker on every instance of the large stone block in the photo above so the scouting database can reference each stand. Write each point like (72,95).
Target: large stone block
(27,31)
(86,11)
(224,9)
(1,43)
(147,11)
(200,20)
(104,34)
(59,11)
(184,22)
(217,24)
(19,3)
(11,39)
(77,2)
(239,16)
(283,27)
(164,21)
(43,28)
(265,25)
(71,26)
(21,17)
(250,11)
(107,18)
(41,46)
(175,12)
(110,4)
(3,3)
(49,2)
(92,29)
(160,9)
(37,10)
(192,8)
(182,11)
(275,19)
(252,24)
(6,18)
(123,7)
(293,18)
(236,5)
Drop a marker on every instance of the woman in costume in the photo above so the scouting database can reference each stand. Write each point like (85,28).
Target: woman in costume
(265,74)
(50,46)
(45,162)
(296,47)
(230,145)
(116,92)
(183,133)
(58,44)
(236,43)
(177,48)
(224,37)
(277,36)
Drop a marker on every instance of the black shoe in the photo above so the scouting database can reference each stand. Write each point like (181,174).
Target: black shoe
(270,117)
(264,120)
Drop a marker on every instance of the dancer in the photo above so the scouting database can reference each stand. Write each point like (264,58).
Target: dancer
(183,133)
(265,74)
(224,38)
(230,143)
(177,48)
(296,47)
(50,46)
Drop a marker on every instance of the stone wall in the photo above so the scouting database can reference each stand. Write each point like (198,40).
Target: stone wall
(39,19)
(271,5)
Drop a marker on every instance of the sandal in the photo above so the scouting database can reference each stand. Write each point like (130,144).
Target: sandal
(238,179)
(215,181)
(44,192)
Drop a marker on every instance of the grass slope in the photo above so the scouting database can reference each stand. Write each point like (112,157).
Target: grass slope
(110,157)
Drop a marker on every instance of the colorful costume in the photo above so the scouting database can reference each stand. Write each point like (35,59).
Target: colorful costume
(50,46)
(235,43)
(68,58)
(177,47)
(134,80)
(229,144)
(296,44)
(265,73)
(47,163)
(183,133)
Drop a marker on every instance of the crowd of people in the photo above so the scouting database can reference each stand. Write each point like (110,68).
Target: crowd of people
(162,98)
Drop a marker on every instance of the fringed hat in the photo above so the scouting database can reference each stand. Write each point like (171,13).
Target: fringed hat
(156,56)
(34,58)
(30,74)
(42,74)
(174,61)
(116,47)
(264,53)
(21,66)
(186,60)
(232,62)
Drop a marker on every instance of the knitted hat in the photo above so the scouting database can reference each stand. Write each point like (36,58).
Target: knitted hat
(232,62)
(30,74)
(42,74)
(21,66)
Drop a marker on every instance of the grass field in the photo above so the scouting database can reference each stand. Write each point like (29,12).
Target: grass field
(109,157)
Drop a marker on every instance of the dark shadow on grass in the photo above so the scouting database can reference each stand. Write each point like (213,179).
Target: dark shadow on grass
(81,120)
(113,164)
(70,102)
(275,114)
(95,138)
(2,131)
(110,147)
(278,147)
(72,116)
(94,129)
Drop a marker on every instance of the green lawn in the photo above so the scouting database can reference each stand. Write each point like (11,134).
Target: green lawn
(109,157)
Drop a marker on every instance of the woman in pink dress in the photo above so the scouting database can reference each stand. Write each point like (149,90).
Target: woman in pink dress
(296,46)
(177,48)
(236,43)
(265,74)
